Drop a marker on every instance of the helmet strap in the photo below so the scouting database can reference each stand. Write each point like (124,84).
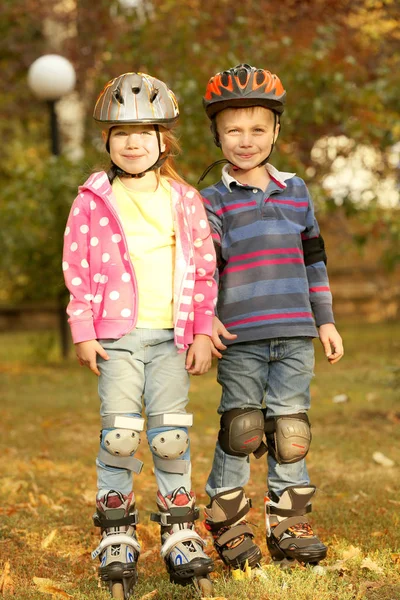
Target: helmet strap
(213,128)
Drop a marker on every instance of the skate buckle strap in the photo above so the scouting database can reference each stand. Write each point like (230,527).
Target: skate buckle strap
(100,520)
(170,420)
(122,422)
(261,450)
(114,540)
(283,526)
(232,553)
(177,515)
(232,533)
(183,535)
(288,512)
(217,525)
(122,462)
(171,466)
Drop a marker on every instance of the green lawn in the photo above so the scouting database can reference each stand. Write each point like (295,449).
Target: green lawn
(49,429)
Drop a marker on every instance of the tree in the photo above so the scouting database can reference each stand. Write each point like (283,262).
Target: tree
(338,59)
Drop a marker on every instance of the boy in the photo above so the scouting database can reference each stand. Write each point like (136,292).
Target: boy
(272,285)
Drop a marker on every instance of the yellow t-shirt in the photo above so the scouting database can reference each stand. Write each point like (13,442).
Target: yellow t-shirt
(148,225)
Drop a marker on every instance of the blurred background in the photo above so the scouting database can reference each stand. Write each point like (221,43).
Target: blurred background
(339,61)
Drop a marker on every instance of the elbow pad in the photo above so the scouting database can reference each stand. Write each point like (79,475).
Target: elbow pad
(314,251)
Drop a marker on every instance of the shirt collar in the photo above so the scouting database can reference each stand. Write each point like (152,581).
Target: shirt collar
(279,177)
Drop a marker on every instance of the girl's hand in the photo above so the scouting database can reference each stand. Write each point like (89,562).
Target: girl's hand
(216,344)
(332,342)
(86,353)
(199,355)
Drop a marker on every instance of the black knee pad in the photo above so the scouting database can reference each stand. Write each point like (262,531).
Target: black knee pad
(288,437)
(241,431)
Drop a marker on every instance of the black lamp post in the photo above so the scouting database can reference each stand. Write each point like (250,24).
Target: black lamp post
(50,77)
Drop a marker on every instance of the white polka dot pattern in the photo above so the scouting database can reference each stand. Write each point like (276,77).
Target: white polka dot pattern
(97,270)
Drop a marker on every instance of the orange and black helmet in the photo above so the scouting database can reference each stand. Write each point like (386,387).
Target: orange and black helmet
(244,86)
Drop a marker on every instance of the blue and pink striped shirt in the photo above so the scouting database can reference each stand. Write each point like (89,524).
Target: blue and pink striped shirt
(265,289)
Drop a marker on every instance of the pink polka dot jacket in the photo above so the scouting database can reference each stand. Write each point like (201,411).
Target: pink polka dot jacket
(101,277)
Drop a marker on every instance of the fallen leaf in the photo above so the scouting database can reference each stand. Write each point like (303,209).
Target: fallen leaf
(365,586)
(47,586)
(45,499)
(352,552)
(339,565)
(6,582)
(146,554)
(88,498)
(48,539)
(395,558)
(32,499)
(149,595)
(369,564)
(339,398)
(382,460)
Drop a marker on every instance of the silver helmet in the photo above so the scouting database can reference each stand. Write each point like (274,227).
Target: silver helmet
(136,98)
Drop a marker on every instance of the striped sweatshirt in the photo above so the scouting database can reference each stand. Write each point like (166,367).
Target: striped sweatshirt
(265,289)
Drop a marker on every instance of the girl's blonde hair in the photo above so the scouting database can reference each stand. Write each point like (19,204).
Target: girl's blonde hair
(173,148)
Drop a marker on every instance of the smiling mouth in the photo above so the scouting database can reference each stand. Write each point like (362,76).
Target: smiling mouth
(132,157)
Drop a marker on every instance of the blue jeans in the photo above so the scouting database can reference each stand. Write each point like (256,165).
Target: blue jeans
(143,365)
(275,372)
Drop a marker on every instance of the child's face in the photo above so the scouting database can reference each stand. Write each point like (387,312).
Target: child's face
(246,135)
(134,148)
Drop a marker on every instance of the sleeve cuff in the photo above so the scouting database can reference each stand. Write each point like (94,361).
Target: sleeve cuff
(203,325)
(82,331)
(323,314)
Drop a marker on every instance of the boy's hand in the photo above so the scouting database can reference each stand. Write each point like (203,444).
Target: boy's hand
(332,342)
(198,358)
(219,329)
(86,353)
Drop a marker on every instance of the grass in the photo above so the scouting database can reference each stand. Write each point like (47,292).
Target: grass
(49,429)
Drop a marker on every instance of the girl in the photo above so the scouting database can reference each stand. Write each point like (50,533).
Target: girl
(139,263)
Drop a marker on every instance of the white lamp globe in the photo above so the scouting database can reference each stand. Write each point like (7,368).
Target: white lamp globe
(51,76)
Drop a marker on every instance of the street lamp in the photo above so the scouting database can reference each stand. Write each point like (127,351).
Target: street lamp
(50,77)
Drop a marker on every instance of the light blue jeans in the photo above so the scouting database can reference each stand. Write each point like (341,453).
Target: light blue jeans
(275,373)
(144,365)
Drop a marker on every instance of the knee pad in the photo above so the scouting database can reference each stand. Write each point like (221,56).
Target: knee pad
(241,431)
(169,440)
(120,438)
(288,437)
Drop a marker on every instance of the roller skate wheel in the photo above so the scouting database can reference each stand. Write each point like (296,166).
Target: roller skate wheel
(204,587)
(117,591)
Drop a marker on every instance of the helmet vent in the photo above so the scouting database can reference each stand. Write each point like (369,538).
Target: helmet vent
(153,95)
(118,96)
(260,76)
(136,90)
(225,77)
(242,75)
